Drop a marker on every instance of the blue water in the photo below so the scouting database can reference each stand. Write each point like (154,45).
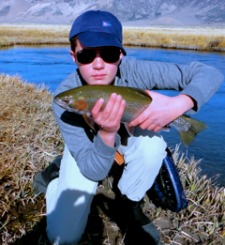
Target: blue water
(50,65)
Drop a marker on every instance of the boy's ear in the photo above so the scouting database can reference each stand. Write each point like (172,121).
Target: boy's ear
(73,56)
(121,57)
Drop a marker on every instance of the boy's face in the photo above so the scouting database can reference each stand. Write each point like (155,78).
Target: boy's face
(92,66)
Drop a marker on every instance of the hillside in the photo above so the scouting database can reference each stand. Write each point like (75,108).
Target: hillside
(130,12)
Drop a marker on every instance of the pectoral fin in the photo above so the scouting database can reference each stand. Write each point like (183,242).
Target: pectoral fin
(89,121)
(130,130)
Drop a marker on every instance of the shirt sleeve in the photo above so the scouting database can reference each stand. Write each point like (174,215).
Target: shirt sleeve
(196,80)
(94,158)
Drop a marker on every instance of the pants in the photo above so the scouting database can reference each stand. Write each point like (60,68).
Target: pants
(69,197)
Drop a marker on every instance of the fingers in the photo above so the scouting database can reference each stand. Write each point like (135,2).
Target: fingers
(149,119)
(115,107)
(109,116)
(146,123)
(156,115)
(143,122)
(97,107)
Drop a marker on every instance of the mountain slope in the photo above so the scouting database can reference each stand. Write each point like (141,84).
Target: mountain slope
(130,12)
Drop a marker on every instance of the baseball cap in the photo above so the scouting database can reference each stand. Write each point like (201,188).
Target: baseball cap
(97,28)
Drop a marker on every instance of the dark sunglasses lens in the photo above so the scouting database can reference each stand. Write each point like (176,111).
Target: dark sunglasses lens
(110,54)
(86,56)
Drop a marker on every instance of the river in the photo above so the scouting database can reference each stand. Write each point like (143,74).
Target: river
(50,65)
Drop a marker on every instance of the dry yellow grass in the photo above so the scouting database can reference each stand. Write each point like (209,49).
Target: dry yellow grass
(30,139)
(33,35)
(209,39)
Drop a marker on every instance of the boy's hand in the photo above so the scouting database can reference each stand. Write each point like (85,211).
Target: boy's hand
(108,118)
(162,111)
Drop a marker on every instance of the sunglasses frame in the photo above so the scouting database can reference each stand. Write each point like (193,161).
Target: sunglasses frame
(109,54)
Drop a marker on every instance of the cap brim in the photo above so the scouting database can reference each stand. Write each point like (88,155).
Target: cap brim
(99,39)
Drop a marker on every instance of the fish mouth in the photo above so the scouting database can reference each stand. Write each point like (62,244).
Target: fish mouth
(60,102)
(64,103)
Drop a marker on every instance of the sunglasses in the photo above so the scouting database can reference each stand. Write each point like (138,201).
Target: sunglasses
(108,54)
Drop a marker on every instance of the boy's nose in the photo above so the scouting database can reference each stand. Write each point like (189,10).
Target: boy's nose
(98,62)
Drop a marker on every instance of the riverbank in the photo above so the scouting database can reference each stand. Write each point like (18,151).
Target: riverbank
(30,140)
(198,38)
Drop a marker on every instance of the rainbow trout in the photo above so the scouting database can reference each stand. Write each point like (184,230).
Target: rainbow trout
(82,99)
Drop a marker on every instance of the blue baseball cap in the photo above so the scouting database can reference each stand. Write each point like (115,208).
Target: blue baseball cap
(96,28)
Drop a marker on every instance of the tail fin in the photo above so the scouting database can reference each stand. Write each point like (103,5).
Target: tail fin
(196,127)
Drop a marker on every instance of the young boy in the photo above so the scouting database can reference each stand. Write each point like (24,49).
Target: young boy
(96,48)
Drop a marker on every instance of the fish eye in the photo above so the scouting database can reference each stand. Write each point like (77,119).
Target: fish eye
(67,99)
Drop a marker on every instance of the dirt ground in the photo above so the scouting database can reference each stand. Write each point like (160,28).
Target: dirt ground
(107,226)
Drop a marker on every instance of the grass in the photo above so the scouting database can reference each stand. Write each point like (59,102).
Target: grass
(30,139)
(32,35)
(177,38)
(203,39)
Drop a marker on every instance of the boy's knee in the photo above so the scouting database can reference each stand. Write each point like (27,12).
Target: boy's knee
(154,147)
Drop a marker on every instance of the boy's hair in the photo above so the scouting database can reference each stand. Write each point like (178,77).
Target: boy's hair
(73,43)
